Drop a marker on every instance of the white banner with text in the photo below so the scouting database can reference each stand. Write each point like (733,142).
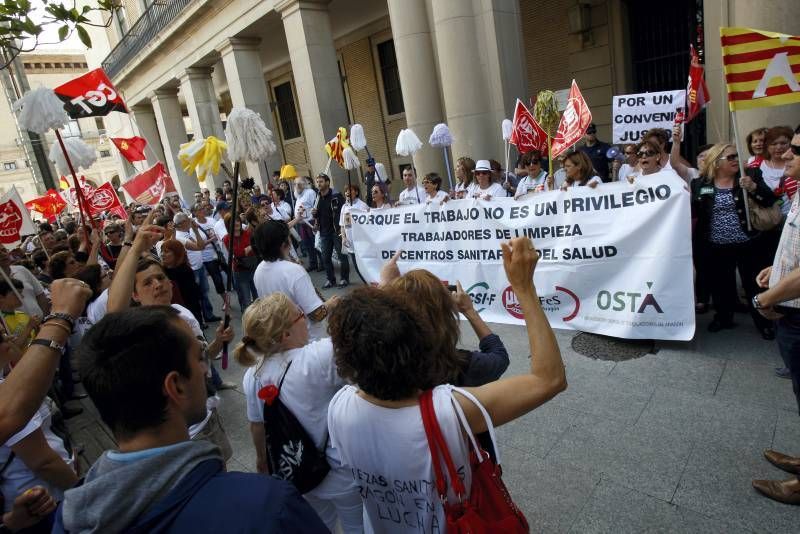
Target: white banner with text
(615,260)
(633,115)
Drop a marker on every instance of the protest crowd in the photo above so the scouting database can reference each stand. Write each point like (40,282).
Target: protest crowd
(356,424)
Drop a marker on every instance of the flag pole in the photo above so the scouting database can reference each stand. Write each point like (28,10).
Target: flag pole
(741,167)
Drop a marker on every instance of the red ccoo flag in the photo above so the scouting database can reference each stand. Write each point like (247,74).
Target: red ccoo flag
(697,95)
(150,186)
(131,148)
(105,200)
(574,122)
(90,95)
(526,134)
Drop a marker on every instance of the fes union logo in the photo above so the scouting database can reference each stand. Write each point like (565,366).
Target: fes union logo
(563,302)
(630,301)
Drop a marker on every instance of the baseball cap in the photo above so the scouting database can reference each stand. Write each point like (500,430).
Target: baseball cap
(592,128)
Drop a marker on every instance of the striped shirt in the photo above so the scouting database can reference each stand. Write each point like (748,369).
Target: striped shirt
(787,258)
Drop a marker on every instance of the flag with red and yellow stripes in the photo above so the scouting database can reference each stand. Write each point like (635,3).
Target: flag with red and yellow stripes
(761,68)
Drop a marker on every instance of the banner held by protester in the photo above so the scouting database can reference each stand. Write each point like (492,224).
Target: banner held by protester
(595,273)
(633,115)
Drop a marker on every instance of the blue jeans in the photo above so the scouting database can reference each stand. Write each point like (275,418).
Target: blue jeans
(202,282)
(245,288)
(331,242)
(787,334)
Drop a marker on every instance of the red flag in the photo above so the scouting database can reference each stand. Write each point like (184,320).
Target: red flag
(91,95)
(48,205)
(150,186)
(71,196)
(526,134)
(697,95)
(15,221)
(104,199)
(574,122)
(131,148)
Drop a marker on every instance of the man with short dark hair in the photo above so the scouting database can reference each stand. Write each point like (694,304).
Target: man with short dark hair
(149,389)
(596,150)
(327,212)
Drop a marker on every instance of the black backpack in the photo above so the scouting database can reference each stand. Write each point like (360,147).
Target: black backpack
(291,453)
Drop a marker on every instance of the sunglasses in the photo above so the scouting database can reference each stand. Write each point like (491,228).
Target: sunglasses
(534,162)
(730,157)
(646,154)
(112,232)
(482,172)
(301,316)
(795,149)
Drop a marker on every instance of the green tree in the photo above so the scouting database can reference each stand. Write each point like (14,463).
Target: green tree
(16,26)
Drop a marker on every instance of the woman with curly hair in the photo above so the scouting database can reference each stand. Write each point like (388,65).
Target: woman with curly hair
(275,347)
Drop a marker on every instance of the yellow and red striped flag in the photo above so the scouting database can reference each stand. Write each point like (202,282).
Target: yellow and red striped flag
(761,68)
(335,147)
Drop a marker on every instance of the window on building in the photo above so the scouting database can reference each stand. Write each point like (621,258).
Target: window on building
(72,129)
(287,113)
(391,78)
(37,65)
(48,65)
(27,65)
(105,153)
(57,65)
(84,66)
(76,65)
(9,165)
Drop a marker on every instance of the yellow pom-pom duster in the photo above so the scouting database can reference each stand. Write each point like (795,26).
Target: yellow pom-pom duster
(545,111)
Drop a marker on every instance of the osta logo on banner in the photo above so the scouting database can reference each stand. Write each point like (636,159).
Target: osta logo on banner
(562,301)
(482,297)
(628,301)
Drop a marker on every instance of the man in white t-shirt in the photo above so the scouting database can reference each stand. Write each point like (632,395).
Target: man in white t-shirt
(213,249)
(188,233)
(413,193)
(276,274)
(222,209)
(306,199)
(34,300)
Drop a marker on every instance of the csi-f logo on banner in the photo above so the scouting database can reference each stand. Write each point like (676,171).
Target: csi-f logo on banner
(631,301)
(563,302)
(482,297)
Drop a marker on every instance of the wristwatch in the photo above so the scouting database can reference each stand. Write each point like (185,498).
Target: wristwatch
(50,344)
(756,304)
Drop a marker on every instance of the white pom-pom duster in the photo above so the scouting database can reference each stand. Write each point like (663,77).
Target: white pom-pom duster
(357,138)
(350,159)
(380,170)
(247,136)
(440,137)
(80,154)
(407,143)
(39,110)
(507,126)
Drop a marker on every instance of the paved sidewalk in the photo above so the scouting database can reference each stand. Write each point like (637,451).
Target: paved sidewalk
(665,443)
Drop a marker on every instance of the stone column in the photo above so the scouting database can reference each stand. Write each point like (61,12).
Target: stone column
(173,134)
(201,103)
(419,81)
(242,63)
(316,76)
(145,120)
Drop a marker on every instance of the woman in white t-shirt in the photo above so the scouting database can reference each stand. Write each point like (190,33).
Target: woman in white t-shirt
(432,183)
(380,198)
(483,188)
(649,161)
(351,193)
(536,181)
(275,346)
(773,167)
(376,425)
(464,169)
(579,171)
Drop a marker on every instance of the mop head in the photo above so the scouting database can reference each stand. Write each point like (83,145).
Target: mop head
(506,126)
(380,170)
(39,110)
(80,154)
(357,139)
(545,111)
(350,159)
(440,137)
(202,156)
(407,143)
(247,136)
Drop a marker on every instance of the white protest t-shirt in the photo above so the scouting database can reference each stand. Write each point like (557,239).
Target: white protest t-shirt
(219,229)
(438,198)
(346,222)
(593,180)
(284,210)
(461,188)
(494,190)
(209,253)
(414,196)
(306,198)
(387,452)
(31,288)
(310,384)
(195,256)
(292,280)
(528,184)
(624,171)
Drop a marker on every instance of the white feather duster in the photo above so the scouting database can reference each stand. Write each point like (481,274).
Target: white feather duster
(80,154)
(440,137)
(357,138)
(507,126)
(380,170)
(350,159)
(39,110)
(247,136)
(407,143)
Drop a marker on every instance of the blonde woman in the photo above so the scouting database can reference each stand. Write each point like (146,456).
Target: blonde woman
(275,346)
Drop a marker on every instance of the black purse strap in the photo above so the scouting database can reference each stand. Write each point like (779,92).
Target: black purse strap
(280,384)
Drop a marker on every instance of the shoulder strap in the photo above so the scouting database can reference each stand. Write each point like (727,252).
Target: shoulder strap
(433,430)
(280,384)
(464,423)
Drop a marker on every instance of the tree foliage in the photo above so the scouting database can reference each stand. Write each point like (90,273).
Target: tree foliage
(19,33)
